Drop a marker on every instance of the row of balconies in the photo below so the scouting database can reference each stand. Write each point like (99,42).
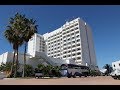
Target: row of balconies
(73,33)
(54,37)
(78,58)
(70,27)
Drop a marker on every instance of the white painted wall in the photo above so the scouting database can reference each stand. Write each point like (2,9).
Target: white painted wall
(116,65)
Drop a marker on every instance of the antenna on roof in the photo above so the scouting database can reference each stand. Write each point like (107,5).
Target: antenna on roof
(73,17)
(66,21)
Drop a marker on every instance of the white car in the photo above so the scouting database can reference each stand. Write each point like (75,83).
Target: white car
(38,75)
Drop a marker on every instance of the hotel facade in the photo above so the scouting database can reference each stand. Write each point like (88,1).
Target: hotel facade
(72,41)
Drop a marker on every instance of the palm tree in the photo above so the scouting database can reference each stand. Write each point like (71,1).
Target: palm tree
(109,69)
(14,36)
(28,70)
(28,32)
(6,68)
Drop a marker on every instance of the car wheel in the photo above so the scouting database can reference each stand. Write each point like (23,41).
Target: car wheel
(79,75)
(74,76)
(85,75)
(119,77)
(115,77)
(69,76)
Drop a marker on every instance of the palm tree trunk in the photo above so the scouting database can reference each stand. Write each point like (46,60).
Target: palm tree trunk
(16,64)
(11,71)
(23,75)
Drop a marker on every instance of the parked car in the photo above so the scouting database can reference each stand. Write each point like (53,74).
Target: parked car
(38,73)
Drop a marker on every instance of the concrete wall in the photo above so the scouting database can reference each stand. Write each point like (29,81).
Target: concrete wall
(84,44)
(91,46)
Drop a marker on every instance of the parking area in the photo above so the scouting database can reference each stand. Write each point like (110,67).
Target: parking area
(99,80)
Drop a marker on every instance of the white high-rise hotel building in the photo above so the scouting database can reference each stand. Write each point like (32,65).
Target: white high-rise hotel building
(72,41)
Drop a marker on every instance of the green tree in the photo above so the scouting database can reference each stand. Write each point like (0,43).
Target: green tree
(47,70)
(28,70)
(28,32)
(40,66)
(109,69)
(7,68)
(56,71)
(14,35)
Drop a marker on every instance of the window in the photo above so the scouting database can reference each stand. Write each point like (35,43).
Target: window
(73,37)
(69,47)
(69,42)
(65,48)
(77,32)
(119,64)
(64,52)
(78,49)
(76,28)
(76,24)
(64,36)
(73,58)
(64,40)
(72,33)
(73,54)
(78,53)
(78,57)
(77,36)
(72,30)
(73,46)
(67,31)
(64,44)
(71,26)
(114,65)
(78,44)
(69,51)
(68,39)
(68,55)
(73,50)
(68,35)
(67,28)
(64,56)
(73,41)
(48,43)
(78,40)
(51,52)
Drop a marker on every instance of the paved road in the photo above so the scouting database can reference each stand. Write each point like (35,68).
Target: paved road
(100,80)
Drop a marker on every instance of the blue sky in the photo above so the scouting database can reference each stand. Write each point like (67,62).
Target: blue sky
(103,19)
